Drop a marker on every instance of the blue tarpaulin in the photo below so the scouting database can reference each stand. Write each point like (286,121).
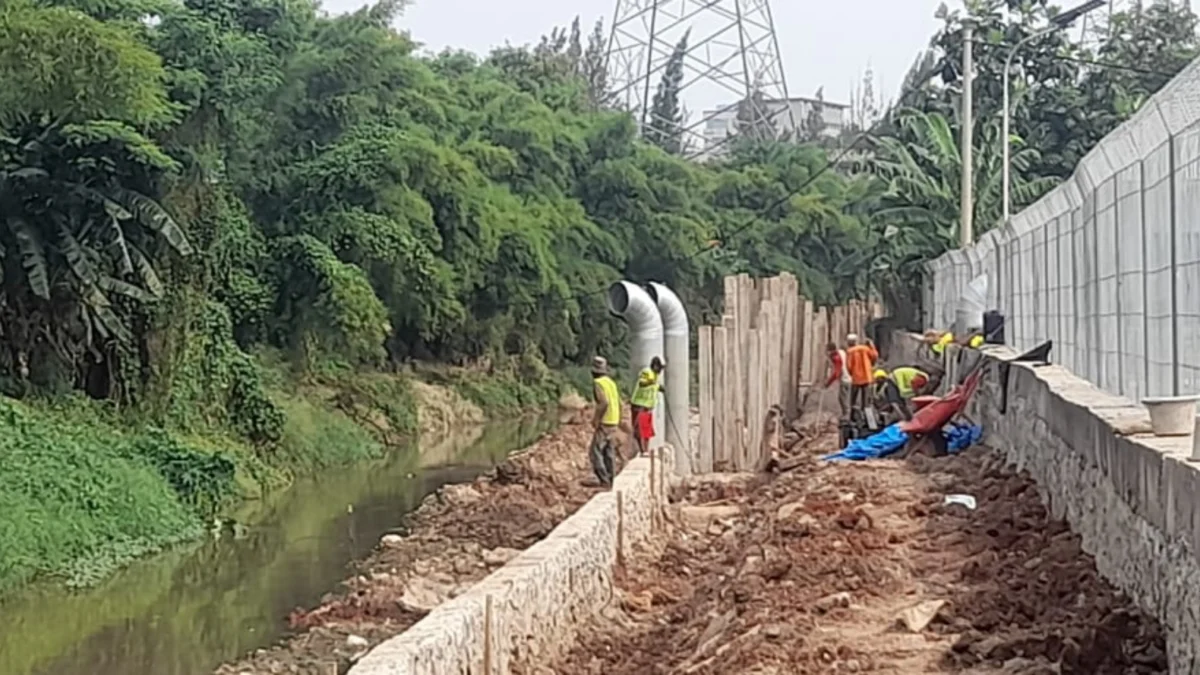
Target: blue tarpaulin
(961,436)
(879,445)
(958,437)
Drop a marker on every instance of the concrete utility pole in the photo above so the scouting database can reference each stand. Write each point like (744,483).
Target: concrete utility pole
(1059,22)
(967,206)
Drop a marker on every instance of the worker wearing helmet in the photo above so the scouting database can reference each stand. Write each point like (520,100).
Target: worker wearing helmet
(894,390)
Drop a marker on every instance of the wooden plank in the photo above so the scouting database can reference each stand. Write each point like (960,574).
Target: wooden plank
(793,327)
(804,324)
(757,382)
(729,393)
(787,383)
(704,339)
(721,400)
(745,324)
(821,331)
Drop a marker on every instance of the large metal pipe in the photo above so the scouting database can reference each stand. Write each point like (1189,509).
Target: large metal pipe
(678,384)
(633,305)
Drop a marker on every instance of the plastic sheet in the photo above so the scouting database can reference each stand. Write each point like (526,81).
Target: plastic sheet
(879,445)
(959,437)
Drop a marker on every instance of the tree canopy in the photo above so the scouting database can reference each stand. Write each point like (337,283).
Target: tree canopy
(256,173)
(1066,96)
(246,173)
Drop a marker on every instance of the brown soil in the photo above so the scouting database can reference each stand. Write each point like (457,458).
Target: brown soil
(823,565)
(456,537)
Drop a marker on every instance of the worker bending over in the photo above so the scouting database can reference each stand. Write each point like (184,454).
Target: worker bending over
(894,390)
(605,422)
(860,361)
(645,399)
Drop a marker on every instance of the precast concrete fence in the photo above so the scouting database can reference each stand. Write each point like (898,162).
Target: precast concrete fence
(769,348)
(1108,264)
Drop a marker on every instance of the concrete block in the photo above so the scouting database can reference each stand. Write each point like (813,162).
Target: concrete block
(531,607)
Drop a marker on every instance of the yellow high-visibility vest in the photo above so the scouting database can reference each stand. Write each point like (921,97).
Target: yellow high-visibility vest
(940,346)
(903,377)
(612,396)
(645,394)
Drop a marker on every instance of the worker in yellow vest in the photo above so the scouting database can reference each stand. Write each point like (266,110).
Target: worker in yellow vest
(606,422)
(894,390)
(939,345)
(643,402)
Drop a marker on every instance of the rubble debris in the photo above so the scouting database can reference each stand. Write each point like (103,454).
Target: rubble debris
(839,568)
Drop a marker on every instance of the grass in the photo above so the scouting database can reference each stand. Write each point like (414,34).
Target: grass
(79,499)
(86,488)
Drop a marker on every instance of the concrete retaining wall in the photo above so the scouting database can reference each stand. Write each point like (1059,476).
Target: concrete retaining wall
(1133,498)
(529,609)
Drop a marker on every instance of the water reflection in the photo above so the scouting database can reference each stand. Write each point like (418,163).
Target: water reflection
(188,610)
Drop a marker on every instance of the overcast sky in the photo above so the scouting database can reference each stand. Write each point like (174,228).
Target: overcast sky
(823,44)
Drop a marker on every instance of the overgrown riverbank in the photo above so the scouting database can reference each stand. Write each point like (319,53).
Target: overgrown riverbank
(87,488)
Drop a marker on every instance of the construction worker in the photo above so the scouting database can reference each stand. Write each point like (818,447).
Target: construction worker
(860,361)
(643,402)
(940,342)
(897,388)
(838,373)
(606,422)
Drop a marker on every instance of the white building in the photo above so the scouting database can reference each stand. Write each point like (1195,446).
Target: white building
(722,122)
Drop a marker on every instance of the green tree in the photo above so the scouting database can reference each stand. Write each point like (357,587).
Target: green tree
(665,126)
(918,216)
(79,233)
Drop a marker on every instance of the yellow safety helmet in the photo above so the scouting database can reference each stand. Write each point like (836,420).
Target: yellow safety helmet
(880,374)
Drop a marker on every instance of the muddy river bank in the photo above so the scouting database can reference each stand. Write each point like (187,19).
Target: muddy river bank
(188,610)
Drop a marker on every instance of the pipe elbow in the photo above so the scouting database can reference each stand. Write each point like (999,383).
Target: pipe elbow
(634,305)
(670,307)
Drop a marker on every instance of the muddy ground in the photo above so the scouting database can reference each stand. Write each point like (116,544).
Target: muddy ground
(862,568)
(456,538)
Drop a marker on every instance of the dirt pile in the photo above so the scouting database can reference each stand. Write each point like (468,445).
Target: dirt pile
(458,536)
(864,568)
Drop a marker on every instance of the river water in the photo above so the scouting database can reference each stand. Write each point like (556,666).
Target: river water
(186,611)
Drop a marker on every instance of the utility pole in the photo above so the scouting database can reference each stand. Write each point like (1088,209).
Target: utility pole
(967,205)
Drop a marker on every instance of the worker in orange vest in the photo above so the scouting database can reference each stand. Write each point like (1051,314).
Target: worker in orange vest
(860,361)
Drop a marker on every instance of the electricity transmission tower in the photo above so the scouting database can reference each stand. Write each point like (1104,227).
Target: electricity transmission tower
(732,48)
(1094,26)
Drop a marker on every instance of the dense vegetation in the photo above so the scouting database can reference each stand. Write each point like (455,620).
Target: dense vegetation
(234,231)
(1066,95)
(231,227)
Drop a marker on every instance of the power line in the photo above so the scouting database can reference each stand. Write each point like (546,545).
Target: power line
(1087,62)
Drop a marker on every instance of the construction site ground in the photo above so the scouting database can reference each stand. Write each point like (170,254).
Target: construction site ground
(456,538)
(864,568)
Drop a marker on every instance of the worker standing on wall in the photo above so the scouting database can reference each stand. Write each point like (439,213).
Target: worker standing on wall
(606,422)
(860,361)
(939,341)
(645,399)
(839,374)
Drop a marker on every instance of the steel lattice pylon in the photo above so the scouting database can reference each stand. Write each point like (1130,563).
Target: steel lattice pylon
(1093,28)
(732,45)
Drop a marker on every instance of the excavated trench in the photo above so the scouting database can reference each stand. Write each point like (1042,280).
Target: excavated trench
(864,568)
